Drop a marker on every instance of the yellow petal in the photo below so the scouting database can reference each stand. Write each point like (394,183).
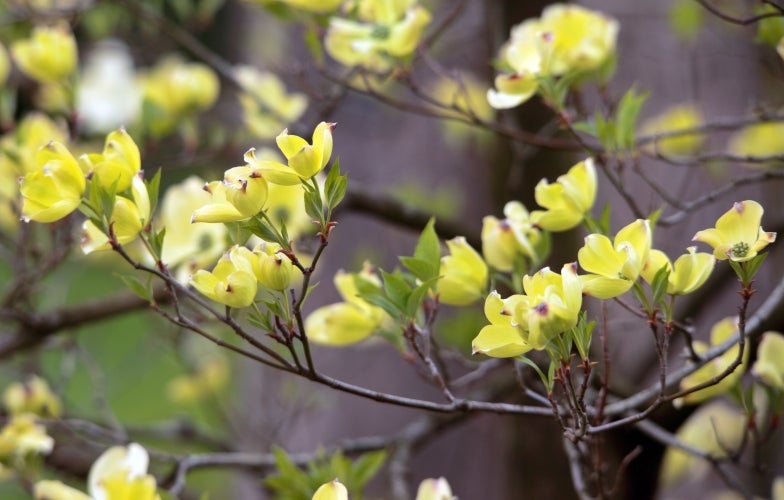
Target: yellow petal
(499,342)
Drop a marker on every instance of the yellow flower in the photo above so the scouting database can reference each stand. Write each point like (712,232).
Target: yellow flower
(738,234)
(55,188)
(33,396)
(118,164)
(120,473)
(22,436)
(232,282)
(240,195)
(566,38)
(56,490)
(506,240)
(188,246)
(501,338)
(568,200)
(333,490)
(307,160)
(376,37)
(274,268)
(434,489)
(129,218)
(49,55)
(689,272)
(210,378)
(348,322)
(770,360)
(759,140)
(265,102)
(550,306)
(674,119)
(716,429)
(614,266)
(720,332)
(463,274)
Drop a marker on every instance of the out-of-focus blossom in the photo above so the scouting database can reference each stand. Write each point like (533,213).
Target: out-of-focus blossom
(614,266)
(5,64)
(50,489)
(738,234)
(49,55)
(434,489)
(380,34)
(266,104)
(714,428)
(108,96)
(209,380)
(566,38)
(675,119)
(759,140)
(687,274)
(333,490)
(23,436)
(770,360)
(568,199)
(720,332)
(32,396)
(463,274)
(188,246)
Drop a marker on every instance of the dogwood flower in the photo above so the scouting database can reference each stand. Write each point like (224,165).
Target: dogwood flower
(505,240)
(434,489)
(463,274)
(265,102)
(306,159)
(233,280)
(770,360)
(687,274)
(49,55)
(55,188)
(129,218)
(274,268)
(675,119)
(758,141)
(333,490)
(720,332)
(738,234)
(23,436)
(117,165)
(614,266)
(33,397)
(568,199)
(241,195)
(550,306)
(501,338)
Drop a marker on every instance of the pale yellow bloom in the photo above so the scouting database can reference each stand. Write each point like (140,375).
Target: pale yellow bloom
(209,380)
(738,234)
(715,428)
(501,338)
(55,188)
(49,55)
(720,332)
(614,266)
(306,159)
(770,360)
(118,164)
(506,240)
(550,306)
(129,217)
(274,268)
(759,140)
(434,489)
(347,322)
(188,246)
(463,274)
(266,104)
(22,436)
(241,195)
(32,396)
(674,119)
(233,280)
(56,490)
(568,199)
(120,473)
(688,273)
(333,490)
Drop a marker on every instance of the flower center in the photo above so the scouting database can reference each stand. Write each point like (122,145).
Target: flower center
(541,308)
(740,249)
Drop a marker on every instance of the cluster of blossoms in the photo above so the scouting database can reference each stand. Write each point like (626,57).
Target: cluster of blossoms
(566,39)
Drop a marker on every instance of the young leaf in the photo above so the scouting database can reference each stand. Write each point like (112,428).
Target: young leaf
(427,255)
(335,186)
(137,287)
(153,188)
(659,285)
(626,118)
(397,290)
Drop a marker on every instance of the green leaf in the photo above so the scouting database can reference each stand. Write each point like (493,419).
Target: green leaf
(417,296)
(659,285)
(313,43)
(367,466)
(585,127)
(335,186)
(313,206)
(156,242)
(626,118)
(686,18)
(140,289)
(427,254)
(397,289)
(261,321)
(753,265)
(153,189)
(639,294)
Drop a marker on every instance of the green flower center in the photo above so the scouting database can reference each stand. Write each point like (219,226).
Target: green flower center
(740,249)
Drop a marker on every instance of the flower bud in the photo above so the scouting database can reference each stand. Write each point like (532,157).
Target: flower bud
(334,490)
(463,274)
(55,188)
(274,268)
(232,282)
